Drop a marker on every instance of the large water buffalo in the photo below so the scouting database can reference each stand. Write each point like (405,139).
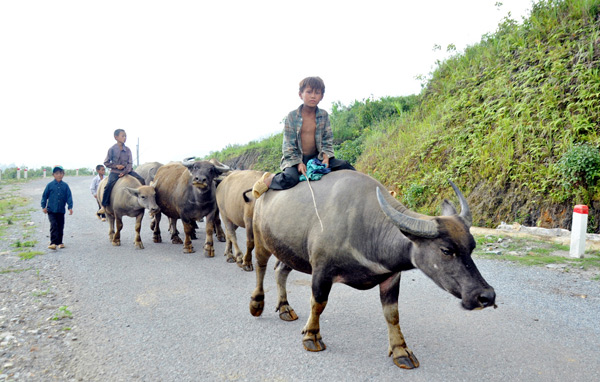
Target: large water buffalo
(236,206)
(127,198)
(187,192)
(367,239)
(148,171)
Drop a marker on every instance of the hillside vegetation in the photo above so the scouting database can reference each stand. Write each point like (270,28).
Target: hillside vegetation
(514,121)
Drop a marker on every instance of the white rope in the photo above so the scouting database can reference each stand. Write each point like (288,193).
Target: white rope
(315,203)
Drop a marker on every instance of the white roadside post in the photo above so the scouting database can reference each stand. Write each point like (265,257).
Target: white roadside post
(77,174)
(44,173)
(578,231)
(18,173)
(25,173)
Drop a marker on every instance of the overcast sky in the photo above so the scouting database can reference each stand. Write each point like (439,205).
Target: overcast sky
(190,77)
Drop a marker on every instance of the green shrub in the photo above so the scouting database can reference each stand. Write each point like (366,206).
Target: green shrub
(580,166)
(414,195)
(350,150)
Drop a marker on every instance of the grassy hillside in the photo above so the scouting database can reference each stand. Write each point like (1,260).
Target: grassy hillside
(503,119)
(513,120)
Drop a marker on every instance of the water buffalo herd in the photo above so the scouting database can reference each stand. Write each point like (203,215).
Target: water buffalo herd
(344,228)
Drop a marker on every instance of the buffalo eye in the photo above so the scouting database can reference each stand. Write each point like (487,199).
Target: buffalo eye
(447,252)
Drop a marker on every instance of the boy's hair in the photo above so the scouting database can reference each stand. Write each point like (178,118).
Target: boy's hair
(100,166)
(315,83)
(118,131)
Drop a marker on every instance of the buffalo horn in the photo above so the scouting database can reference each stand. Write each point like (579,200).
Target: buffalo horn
(465,212)
(417,227)
(189,160)
(222,167)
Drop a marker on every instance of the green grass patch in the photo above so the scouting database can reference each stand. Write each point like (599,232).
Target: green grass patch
(11,209)
(40,293)
(63,312)
(13,270)
(24,244)
(28,255)
(532,258)
(10,202)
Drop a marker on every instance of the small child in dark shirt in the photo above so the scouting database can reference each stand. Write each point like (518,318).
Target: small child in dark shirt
(119,160)
(56,194)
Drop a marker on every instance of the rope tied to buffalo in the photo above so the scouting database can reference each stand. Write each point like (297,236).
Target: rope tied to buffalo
(315,204)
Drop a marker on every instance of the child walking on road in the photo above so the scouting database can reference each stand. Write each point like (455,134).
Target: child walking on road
(56,194)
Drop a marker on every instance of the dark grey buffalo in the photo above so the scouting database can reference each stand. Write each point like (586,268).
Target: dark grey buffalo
(187,192)
(127,198)
(368,239)
(148,171)
(236,205)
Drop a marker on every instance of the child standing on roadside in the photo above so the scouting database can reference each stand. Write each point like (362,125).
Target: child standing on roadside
(56,194)
(94,188)
(119,160)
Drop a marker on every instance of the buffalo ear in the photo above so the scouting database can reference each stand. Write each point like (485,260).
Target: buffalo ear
(132,191)
(448,208)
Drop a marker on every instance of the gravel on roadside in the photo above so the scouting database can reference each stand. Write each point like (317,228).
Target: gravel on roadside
(36,333)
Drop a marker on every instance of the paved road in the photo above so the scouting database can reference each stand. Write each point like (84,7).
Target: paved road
(161,315)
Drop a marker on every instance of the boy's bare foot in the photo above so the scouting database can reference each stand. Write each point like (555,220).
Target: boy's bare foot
(61,245)
(52,246)
(101,211)
(262,185)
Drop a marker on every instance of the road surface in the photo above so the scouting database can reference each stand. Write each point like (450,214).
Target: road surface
(158,314)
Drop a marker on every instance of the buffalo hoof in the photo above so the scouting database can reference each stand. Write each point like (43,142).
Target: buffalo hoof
(247,267)
(188,250)
(286,313)
(221,238)
(176,240)
(116,243)
(157,239)
(139,245)
(314,344)
(256,307)
(230,258)
(407,362)
(209,251)
(193,236)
